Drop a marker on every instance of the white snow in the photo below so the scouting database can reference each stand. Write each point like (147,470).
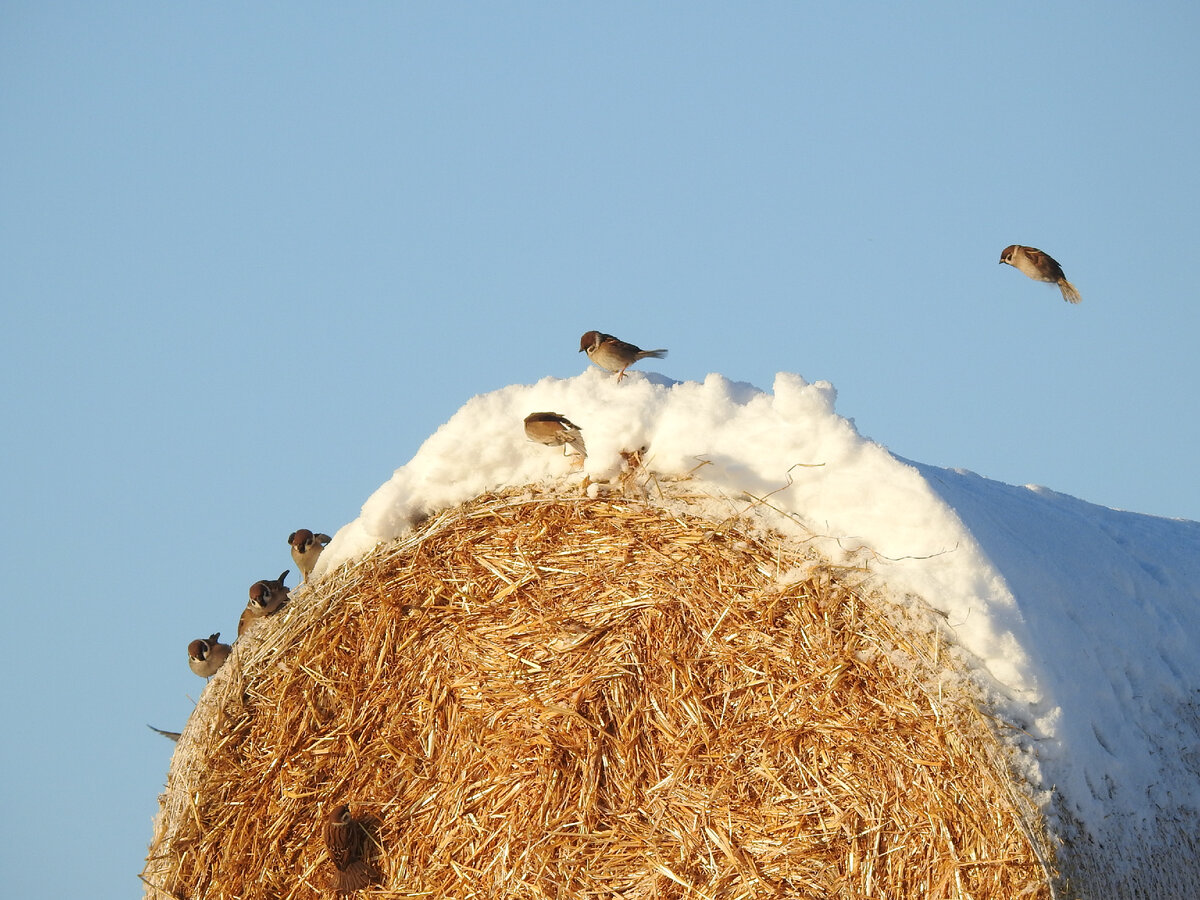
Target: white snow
(1081,623)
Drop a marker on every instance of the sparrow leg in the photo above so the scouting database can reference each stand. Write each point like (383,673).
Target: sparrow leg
(621,374)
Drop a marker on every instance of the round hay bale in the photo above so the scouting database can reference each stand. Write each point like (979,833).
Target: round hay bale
(543,697)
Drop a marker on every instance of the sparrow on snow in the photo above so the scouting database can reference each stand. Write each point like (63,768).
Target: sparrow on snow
(306,548)
(206,656)
(265,598)
(1040,267)
(346,841)
(553,430)
(612,353)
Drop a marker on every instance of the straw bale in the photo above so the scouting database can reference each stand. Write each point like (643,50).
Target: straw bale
(541,697)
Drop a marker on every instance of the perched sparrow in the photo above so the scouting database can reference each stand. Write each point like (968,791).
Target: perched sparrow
(206,656)
(346,841)
(170,735)
(613,354)
(265,598)
(306,547)
(553,430)
(1040,267)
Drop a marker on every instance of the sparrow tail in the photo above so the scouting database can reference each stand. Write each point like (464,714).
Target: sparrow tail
(1068,291)
(657,354)
(356,876)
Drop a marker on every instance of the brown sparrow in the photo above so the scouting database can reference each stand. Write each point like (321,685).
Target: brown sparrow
(265,598)
(206,656)
(612,353)
(306,547)
(1040,267)
(553,430)
(346,841)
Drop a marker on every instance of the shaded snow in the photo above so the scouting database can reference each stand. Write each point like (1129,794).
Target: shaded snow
(1082,623)
(1112,604)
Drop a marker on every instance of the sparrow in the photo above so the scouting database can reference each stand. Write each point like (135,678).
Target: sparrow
(346,841)
(265,598)
(170,735)
(1040,267)
(206,655)
(306,547)
(553,430)
(612,353)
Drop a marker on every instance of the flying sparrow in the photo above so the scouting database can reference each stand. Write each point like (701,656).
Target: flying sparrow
(553,430)
(306,547)
(170,735)
(346,841)
(206,656)
(1040,267)
(265,598)
(612,353)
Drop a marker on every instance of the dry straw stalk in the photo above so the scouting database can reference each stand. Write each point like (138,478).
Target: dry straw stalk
(540,697)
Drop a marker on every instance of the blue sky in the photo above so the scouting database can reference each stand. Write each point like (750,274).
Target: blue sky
(251,257)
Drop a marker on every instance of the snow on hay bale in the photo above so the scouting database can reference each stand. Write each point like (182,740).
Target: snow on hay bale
(534,696)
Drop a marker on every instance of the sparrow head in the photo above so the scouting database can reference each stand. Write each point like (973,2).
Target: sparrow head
(301,538)
(198,649)
(259,593)
(1009,252)
(340,815)
(269,594)
(589,341)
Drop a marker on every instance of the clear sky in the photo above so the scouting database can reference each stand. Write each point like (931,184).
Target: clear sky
(251,255)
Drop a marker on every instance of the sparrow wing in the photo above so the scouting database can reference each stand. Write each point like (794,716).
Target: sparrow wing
(575,439)
(1045,263)
(623,347)
(342,842)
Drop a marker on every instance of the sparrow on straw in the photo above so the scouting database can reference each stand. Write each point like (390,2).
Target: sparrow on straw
(265,598)
(346,841)
(206,656)
(553,430)
(612,353)
(306,548)
(1040,267)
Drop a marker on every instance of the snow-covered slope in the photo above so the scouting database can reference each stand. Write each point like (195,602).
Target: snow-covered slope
(1080,622)
(1110,603)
